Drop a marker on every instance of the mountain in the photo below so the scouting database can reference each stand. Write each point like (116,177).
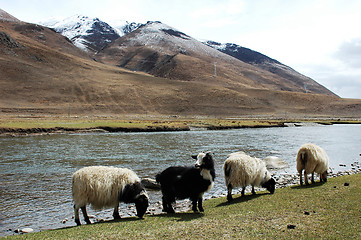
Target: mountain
(4,16)
(266,63)
(95,36)
(163,51)
(90,34)
(43,74)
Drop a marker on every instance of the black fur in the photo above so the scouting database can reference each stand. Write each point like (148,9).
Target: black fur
(270,185)
(141,204)
(185,182)
(132,193)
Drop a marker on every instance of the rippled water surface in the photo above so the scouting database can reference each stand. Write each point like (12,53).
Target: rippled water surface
(35,171)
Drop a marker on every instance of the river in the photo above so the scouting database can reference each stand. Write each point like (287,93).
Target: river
(35,171)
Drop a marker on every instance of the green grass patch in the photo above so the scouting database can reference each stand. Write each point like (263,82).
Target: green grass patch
(13,124)
(321,211)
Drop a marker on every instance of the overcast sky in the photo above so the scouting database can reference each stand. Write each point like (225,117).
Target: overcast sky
(318,38)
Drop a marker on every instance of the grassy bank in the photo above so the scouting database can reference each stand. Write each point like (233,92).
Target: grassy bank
(44,125)
(322,211)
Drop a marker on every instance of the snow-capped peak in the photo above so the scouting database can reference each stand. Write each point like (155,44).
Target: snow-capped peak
(123,27)
(90,33)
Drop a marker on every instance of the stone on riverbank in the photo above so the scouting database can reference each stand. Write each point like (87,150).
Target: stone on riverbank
(150,183)
(273,162)
(27,230)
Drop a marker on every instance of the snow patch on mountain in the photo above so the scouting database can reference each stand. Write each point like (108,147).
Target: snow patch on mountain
(123,27)
(90,34)
(166,39)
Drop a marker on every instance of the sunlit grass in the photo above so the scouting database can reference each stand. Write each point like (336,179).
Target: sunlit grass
(321,211)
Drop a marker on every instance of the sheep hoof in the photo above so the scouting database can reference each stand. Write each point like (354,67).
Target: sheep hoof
(169,210)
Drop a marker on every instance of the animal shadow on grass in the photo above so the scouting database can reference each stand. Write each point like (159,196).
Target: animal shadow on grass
(241,199)
(311,185)
(126,219)
(182,216)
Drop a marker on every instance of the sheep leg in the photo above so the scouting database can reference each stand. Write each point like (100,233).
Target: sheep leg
(76,215)
(306,180)
(200,200)
(300,173)
(85,214)
(253,191)
(313,178)
(116,212)
(167,205)
(229,194)
(243,189)
(194,204)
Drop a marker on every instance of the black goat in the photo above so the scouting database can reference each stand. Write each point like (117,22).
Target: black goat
(187,182)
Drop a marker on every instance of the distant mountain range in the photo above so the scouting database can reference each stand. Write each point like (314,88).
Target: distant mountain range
(151,68)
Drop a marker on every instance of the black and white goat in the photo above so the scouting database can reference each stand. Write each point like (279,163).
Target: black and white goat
(187,182)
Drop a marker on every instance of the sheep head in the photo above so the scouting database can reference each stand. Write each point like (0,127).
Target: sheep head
(204,160)
(323,176)
(141,204)
(270,185)
(135,193)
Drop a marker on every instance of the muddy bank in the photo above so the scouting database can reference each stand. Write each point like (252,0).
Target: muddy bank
(270,125)
(60,130)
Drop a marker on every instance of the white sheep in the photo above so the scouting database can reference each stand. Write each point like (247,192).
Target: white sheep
(312,158)
(241,170)
(105,187)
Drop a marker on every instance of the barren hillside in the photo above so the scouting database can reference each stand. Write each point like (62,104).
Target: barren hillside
(42,73)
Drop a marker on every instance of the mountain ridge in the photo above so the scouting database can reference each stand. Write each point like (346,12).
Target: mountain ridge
(163,51)
(262,61)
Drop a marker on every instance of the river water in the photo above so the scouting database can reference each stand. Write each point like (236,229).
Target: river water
(35,171)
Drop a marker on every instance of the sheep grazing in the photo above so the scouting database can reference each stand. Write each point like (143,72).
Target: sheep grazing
(312,158)
(241,170)
(105,187)
(187,182)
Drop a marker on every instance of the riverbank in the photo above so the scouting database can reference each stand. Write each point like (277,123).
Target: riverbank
(322,211)
(37,126)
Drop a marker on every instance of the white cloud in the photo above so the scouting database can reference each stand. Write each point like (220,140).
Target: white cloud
(350,53)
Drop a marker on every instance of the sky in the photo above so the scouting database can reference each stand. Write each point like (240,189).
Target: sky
(318,38)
